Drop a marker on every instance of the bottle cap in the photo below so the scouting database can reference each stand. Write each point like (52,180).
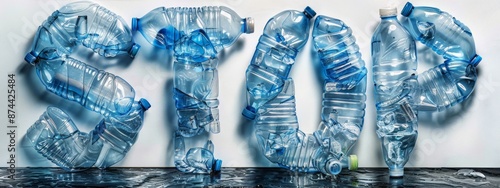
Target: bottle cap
(476,60)
(217,165)
(134,24)
(353,162)
(309,12)
(396,172)
(30,58)
(334,167)
(249,25)
(144,104)
(384,12)
(407,9)
(248,113)
(134,49)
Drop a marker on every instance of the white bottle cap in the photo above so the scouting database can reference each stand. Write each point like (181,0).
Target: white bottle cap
(392,11)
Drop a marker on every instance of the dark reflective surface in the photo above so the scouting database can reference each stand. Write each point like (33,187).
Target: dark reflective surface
(249,177)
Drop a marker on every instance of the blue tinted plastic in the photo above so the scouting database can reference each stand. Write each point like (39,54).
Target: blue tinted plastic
(56,137)
(196,160)
(284,34)
(395,84)
(84,23)
(454,80)
(163,26)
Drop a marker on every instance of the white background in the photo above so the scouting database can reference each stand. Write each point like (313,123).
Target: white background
(464,136)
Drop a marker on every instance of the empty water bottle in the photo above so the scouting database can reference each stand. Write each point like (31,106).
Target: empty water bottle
(281,141)
(94,89)
(442,32)
(345,83)
(454,80)
(196,85)
(84,23)
(394,68)
(163,26)
(284,35)
(118,133)
(196,160)
(56,137)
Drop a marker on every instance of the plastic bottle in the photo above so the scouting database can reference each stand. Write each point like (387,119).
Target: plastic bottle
(84,23)
(94,89)
(284,35)
(56,137)
(281,141)
(196,160)
(345,83)
(454,80)
(163,26)
(394,68)
(196,85)
(442,32)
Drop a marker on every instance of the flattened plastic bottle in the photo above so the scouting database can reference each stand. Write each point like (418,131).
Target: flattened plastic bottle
(196,85)
(85,23)
(56,137)
(454,80)
(284,35)
(94,89)
(394,68)
(345,84)
(196,160)
(163,26)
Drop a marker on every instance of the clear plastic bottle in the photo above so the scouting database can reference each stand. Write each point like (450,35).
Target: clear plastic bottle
(56,137)
(345,83)
(118,133)
(163,26)
(196,85)
(281,141)
(454,80)
(84,23)
(284,35)
(395,83)
(442,32)
(94,89)
(196,160)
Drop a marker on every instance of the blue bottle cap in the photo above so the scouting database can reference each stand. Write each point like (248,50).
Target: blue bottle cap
(248,113)
(134,24)
(144,104)
(30,58)
(309,12)
(217,165)
(476,60)
(407,9)
(133,50)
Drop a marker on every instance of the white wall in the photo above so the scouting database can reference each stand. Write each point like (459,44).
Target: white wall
(465,135)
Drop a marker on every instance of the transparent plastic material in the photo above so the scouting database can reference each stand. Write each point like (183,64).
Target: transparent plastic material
(163,26)
(196,85)
(56,137)
(94,89)
(284,35)
(454,80)
(395,84)
(84,23)
(196,160)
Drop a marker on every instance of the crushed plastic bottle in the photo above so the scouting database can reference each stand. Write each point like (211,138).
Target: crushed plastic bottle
(196,160)
(94,89)
(56,137)
(162,26)
(85,23)
(345,83)
(454,80)
(395,81)
(284,35)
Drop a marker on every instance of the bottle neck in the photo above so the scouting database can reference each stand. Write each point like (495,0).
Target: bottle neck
(388,18)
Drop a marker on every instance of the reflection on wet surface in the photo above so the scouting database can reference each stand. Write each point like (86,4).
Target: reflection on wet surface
(250,177)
